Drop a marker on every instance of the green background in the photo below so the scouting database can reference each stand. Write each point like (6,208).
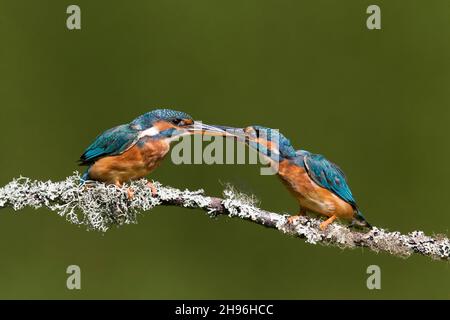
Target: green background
(375,102)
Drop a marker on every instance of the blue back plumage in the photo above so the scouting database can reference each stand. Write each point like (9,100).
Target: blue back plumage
(329,176)
(326,174)
(111,142)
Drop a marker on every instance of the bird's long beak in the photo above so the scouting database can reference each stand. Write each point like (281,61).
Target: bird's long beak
(238,133)
(206,129)
(251,140)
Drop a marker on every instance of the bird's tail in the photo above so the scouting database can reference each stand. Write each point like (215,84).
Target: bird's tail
(360,220)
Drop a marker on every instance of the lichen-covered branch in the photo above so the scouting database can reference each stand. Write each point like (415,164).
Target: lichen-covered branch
(98,207)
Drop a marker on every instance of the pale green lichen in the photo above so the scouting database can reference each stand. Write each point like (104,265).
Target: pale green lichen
(98,206)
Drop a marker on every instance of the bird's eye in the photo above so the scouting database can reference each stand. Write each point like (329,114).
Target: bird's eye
(176,121)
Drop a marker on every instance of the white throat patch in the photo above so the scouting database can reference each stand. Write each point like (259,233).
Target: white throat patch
(150,132)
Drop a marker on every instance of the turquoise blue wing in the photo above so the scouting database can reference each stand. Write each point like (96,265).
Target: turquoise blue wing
(111,142)
(329,176)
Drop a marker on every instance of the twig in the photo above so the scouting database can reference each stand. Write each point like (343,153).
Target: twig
(98,207)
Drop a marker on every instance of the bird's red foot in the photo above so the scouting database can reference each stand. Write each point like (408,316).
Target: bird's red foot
(130,194)
(152,188)
(292,219)
(325,223)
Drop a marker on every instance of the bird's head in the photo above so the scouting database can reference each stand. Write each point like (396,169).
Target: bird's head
(270,142)
(171,123)
(161,119)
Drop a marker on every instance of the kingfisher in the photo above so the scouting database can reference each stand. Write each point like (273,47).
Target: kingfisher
(131,151)
(318,184)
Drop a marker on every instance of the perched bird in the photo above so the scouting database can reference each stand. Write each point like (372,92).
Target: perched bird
(131,151)
(318,184)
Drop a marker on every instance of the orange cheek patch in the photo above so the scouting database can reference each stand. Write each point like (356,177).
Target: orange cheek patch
(271,145)
(163,125)
(268,144)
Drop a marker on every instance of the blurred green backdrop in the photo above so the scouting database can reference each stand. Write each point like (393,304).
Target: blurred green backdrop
(375,102)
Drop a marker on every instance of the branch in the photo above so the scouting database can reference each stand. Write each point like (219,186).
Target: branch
(98,207)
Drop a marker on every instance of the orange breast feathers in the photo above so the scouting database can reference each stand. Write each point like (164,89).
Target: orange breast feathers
(135,163)
(310,195)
